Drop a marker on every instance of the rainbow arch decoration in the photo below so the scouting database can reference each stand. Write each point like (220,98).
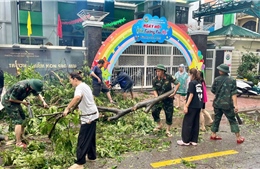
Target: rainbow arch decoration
(126,35)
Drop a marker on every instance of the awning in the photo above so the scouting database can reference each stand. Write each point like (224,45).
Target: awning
(235,31)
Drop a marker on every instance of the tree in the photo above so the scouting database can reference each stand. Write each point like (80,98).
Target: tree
(248,68)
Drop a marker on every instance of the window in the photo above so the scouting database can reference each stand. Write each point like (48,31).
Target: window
(34,41)
(32,5)
(182,14)
(139,16)
(209,19)
(251,25)
(157,12)
(95,6)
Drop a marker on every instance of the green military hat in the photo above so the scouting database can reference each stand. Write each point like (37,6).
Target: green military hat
(117,69)
(161,67)
(36,84)
(223,68)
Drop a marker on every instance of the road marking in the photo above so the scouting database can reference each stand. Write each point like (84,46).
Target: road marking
(192,158)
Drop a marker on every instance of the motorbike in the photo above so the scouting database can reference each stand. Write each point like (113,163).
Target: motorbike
(248,88)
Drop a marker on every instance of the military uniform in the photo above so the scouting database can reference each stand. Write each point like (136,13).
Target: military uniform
(223,103)
(162,86)
(18,91)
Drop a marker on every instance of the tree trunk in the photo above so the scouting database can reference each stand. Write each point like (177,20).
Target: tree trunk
(148,104)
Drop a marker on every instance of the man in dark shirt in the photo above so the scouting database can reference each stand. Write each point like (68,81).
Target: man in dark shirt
(162,83)
(13,99)
(125,81)
(225,102)
(97,81)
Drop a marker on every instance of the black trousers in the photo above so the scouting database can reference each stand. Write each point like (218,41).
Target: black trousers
(86,143)
(191,126)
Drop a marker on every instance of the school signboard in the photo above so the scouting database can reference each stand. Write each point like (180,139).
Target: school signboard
(44,60)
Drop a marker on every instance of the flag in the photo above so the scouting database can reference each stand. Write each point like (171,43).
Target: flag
(228,18)
(29,25)
(59,27)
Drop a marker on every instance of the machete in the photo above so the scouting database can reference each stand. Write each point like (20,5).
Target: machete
(238,119)
(29,109)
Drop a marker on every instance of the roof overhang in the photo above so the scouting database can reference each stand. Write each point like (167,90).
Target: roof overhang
(221,38)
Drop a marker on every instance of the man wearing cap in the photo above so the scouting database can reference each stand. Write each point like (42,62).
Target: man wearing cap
(162,83)
(13,99)
(125,81)
(225,102)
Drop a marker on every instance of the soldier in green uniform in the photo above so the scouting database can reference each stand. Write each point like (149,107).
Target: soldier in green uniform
(225,102)
(162,83)
(13,99)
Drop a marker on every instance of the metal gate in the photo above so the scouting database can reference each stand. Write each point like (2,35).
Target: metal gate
(139,61)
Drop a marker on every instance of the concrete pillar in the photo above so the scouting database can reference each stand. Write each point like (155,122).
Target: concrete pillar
(14,21)
(200,39)
(93,39)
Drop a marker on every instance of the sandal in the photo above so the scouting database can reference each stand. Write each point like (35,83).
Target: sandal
(240,140)
(21,144)
(181,143)
(215,138)
(158,128)
(168,134)
(203,130)
(193,143)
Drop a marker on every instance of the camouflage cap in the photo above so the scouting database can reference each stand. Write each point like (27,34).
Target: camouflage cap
(223,68)
(161,67)
(117,69)
(36,84)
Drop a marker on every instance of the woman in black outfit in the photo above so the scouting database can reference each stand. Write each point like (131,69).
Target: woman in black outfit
(192,108)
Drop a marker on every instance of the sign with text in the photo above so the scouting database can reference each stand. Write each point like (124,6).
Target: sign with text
(151,29)
(228,58)
(43,61)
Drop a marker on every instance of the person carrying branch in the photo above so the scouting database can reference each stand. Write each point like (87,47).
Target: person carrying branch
(89,113)
(225,102)
(97,81)
(12,100)
(125,81)
(162,83)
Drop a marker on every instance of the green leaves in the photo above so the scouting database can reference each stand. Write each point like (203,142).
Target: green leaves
(131,133)
(248,67)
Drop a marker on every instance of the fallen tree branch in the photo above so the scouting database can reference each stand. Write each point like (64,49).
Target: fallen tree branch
(60,115)
(58,77)
(122,112)
(148,104)
(108,109)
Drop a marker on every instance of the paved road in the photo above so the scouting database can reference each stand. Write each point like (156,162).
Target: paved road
(244,102)
(247,156)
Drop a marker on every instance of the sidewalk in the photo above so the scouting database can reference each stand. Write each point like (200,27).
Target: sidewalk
(244,103)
